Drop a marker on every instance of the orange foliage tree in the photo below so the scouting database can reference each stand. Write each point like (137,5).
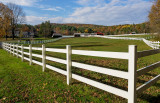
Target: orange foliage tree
(154,17)
(5,21)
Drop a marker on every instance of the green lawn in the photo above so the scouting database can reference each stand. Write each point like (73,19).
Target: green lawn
(136,36)
(97,44)
(9,39)
(23,83)
(23,39)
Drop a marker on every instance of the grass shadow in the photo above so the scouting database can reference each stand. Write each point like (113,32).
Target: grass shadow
(150,98)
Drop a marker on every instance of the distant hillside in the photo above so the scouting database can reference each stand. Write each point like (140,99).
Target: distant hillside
(46,29)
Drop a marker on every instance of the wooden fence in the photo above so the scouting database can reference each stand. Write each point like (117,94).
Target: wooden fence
(132,55)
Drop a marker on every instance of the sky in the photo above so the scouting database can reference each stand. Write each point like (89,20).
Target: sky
(99,12)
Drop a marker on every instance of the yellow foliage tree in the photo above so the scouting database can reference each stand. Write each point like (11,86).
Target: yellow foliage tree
(86,30)
(154,17)
(5,21)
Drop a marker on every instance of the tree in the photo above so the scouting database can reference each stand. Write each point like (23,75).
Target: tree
(46,29)
(5,13)
(86,30)
(17,17)
(154,17)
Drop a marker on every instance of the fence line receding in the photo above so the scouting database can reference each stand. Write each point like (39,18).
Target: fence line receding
(132,55)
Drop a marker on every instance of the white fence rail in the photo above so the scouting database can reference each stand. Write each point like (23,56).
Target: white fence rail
(34,41)
(131,75)
(130,34)
(38,41)
(124,38)
(152,44)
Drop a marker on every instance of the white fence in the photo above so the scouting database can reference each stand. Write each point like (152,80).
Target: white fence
(131,34)
(124,38)
(34,41)
(38,41)
(152,44)
(131,75)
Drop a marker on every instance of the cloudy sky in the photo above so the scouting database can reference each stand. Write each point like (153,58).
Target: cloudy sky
(101,12)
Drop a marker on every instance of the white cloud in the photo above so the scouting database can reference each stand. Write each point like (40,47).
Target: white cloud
(113,13)
(20,2)
(54,9)
(60,8)
(90,2)
(51,9)
(35,20)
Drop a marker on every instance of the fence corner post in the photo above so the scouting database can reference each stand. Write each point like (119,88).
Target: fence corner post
(22,52)
(30,54)
(43,57)
(69,64)
(132,70)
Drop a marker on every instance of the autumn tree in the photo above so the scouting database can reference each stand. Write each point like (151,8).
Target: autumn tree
(5,13)
(154,16)
(17,17)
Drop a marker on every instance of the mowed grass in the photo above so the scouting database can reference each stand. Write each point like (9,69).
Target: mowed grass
(97,44)
(137,36)
(28,84)
(23,39)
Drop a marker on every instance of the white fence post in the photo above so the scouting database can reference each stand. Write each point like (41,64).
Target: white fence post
(17,50)
(13,49)
(132,68)
(22,52)
(7,48)
(10,48)
(3,45)
(43,57)
(69,64)
(30,54)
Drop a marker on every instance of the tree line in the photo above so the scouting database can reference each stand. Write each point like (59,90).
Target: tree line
(46,29)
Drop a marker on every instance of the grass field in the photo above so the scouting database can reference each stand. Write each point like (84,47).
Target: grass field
(23,83)
(23,39)
(136,36)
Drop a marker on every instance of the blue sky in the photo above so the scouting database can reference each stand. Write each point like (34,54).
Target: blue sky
(100,12)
